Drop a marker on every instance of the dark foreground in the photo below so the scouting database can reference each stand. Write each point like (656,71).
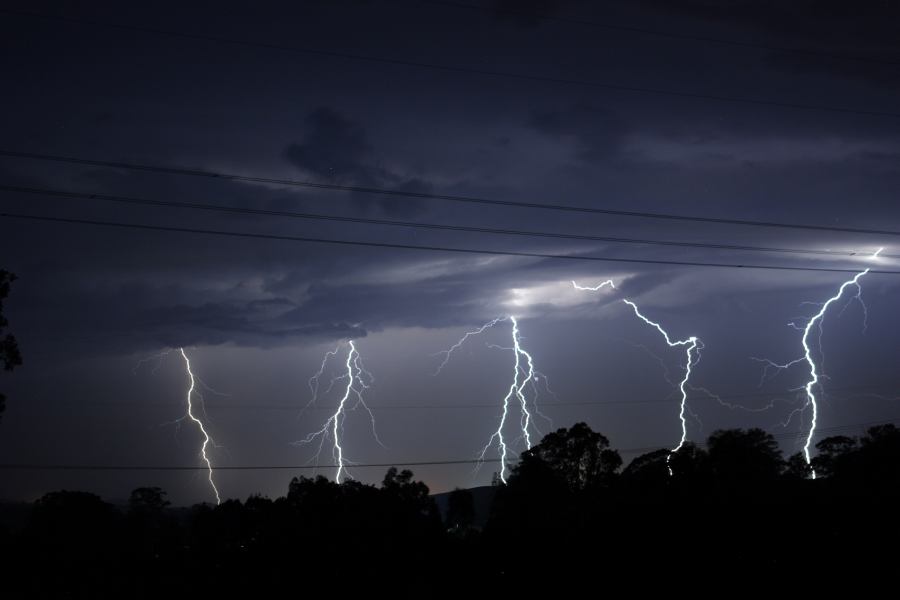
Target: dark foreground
(733,517)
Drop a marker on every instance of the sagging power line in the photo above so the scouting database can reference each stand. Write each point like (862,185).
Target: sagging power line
(177,170)
(446,249)
(419,225)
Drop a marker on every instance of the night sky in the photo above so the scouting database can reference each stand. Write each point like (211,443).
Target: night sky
(326,92)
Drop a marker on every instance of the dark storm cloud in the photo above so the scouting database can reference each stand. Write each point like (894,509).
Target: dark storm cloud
(250,324)
(136,317)
(597,132)
(334,147)
(336,150)
(846,40)
(527,13)
(866,20)
(878,76)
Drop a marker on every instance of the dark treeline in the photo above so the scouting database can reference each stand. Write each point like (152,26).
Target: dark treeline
(570,516)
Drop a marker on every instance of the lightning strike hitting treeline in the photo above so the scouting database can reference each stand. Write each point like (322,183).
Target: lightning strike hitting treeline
(191,392)
(358,380)
(814,375)
(524,374)
(693,345)
(190,414)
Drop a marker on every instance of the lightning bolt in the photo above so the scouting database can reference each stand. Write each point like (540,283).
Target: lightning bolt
(313,382)
(693,345)
(524,375)
(358,380)
(190,414)
(814,375)
(596,288)
(449,351)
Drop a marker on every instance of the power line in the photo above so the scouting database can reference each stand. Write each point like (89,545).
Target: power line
(36,467)
(174,170)
(786,436)
(419,225)
(340,242)
(666,33)
(855,391)
(62,467)
(459,69)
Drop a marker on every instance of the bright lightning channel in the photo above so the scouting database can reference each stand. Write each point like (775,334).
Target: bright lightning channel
(816,322)
(524,374)
(358,380)
(693,345)
(190,414)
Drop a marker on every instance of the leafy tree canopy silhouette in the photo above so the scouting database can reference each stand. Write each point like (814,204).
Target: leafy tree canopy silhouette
(874,458)
(746,455)
(578,457)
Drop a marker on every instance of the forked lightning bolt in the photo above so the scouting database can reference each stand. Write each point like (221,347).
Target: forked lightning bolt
(524,375)
(692,346)
(190,414)
(358,380)
(816,322)
(314,381)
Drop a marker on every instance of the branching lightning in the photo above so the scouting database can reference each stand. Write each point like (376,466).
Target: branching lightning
(358,380)
(815,322)
(693,345)
(449,351)
(314,381)
(524,376)
(190,414)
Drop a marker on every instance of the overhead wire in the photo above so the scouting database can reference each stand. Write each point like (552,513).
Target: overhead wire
(421,247)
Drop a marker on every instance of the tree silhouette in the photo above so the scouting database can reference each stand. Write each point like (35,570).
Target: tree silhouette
(648,469)
(835,454)
(563,498)
(76,528)
(554,493)
(880,454)
(148,500)
(408,505)
(745,455)
(689,465)
(873,459)
(579,456)
(796,467)
(9,349)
